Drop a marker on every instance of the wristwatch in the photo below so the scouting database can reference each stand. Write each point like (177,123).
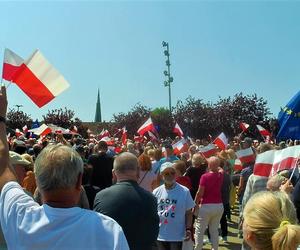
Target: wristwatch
(2,119)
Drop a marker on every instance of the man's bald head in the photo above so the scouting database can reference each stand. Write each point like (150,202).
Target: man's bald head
(125,163)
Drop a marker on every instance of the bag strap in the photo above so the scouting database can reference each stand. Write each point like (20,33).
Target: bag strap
(143,177)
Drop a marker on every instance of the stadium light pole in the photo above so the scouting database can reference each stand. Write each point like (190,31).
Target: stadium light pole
(167,73)
(18,107)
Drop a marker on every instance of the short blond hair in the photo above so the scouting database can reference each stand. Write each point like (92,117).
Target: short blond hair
(198,159)
(264,215)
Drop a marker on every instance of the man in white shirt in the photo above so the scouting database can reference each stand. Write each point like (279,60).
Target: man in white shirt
(174,203)
(58,223)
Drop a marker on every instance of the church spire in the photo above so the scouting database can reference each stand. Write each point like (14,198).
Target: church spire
(98,109)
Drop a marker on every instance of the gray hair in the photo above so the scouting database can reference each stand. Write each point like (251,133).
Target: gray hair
(56,167)
(125,162)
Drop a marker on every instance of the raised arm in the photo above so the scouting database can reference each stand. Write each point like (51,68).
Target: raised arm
(6,174)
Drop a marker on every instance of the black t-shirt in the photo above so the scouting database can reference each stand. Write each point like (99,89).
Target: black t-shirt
(102,166)
(91,192)
(135,209)
(195,174)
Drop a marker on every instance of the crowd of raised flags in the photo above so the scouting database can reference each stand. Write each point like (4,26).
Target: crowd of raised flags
(41,82)
(266,164)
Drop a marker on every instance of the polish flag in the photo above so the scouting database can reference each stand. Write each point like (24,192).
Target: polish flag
(25,129)
(39,80)
(263,164)
(180,146)
(244,126)
(108,140)
(152,136)
(270,162)
(237,165)
(246,155)
(104,133)
(124,136)
(18,132)
(43,130)
(285,159)
(147,126)
(221,141)
(177,130)
(138,138)
(208,150)
(11,64)
(263,131)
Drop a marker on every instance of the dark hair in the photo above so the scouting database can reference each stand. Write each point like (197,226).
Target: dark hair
(102,145)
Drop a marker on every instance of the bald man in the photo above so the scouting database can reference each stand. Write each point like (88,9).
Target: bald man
(130,205)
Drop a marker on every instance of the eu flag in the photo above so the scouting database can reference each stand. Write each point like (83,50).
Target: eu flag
(289,120)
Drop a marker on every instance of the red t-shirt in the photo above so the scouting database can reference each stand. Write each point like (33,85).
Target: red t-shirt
(212,183)
(184,181)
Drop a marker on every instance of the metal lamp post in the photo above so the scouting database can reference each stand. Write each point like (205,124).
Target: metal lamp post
(167,72)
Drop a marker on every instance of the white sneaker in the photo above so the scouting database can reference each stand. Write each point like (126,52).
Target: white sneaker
(206,241)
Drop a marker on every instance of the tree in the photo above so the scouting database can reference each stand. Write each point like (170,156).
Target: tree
(61,117)
(199,119)
(163,121)
(132,120)
(251,109)
(195,117)
(18,119)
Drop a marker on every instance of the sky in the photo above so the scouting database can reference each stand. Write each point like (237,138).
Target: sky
(217,48)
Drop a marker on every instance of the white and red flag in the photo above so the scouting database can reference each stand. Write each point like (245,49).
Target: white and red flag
(103,133)
(208,150)
(270,162)
(238,166)
(147,126)
(221,141)
(263,131)
(25,129)
(11,64)
(124,136)
(43,130)
(285,159)
(18,132)
(39,80)
(177,130)
(180,146)
(263,163)
(108,140)
(244,126)
(246,155)
(152,136)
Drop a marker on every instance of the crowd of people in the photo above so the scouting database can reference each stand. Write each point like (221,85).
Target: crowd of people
(62,193)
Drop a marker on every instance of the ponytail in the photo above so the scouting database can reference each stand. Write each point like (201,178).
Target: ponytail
(287,237)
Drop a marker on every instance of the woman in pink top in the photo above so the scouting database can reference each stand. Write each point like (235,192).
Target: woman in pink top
(210,203)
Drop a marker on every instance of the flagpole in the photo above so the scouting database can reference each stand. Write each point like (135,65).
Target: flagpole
(8,85)
(263,137)
(241,134)
(294,169)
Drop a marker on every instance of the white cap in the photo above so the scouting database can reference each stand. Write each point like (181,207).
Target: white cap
(165,166)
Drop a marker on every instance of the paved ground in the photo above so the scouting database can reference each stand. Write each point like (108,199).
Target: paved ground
(234,243)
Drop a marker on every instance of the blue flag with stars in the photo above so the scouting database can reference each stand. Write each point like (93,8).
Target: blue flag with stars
(289,120)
